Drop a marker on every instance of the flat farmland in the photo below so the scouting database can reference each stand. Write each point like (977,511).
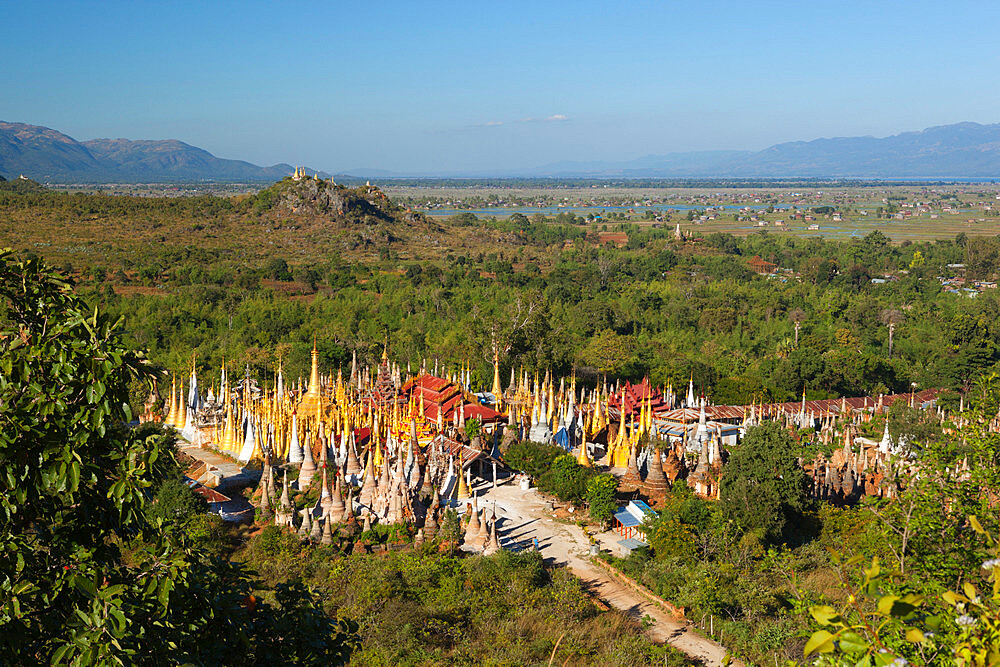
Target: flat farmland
(903,212)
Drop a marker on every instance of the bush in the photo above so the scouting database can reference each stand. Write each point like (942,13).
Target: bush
(566,479)
(533,458)
(175,501)
(602,497)
(210,533)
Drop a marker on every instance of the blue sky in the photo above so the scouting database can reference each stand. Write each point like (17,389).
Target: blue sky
(469,86)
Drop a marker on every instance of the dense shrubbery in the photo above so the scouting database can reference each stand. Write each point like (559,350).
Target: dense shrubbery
(532,458)
(765,492)
(602,497)
(555,471)
(566,479)
(426,607)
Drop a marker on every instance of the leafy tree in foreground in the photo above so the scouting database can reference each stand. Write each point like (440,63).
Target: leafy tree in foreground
(883,623)
(88,575)
(763,490)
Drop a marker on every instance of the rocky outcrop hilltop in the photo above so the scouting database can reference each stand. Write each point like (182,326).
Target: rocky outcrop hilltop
(315,202)
(318,197)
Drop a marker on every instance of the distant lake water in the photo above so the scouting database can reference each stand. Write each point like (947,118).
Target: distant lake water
(504,212)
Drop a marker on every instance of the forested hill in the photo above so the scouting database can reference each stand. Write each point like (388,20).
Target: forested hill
(45,154)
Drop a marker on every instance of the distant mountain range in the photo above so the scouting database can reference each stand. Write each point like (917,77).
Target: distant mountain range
(962,150)
(47,155)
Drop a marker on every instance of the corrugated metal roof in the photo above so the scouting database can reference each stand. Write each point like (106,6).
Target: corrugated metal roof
(632,544)
(821,408)
(457,449)
(626,519)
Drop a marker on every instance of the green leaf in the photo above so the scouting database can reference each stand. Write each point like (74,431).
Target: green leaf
(164,593)
(976,526)
(83,616)
(852,642)
(85,586)
(820,642)
(118,622)
(873,571)
(914,635)
(74,475)
(60,653)
(890,605)
(885,604)
(112,591)
(954,599)
(969,589)
(824,615)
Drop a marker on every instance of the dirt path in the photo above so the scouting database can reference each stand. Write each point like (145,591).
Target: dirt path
(524,518)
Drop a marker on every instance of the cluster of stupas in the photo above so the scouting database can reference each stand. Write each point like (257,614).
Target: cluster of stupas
(388,445)
(378,448)
(861,467)
(864,467)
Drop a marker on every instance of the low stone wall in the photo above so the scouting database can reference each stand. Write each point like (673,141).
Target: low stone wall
(639,588)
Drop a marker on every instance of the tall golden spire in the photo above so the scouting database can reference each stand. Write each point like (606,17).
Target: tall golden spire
(314,372)
(229,435)
(172,412)
(181,409)
(312,399)
(463,489)
(597,422)
(497,391)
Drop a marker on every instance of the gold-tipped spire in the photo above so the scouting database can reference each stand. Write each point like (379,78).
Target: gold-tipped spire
(172,412)
(463,490)
(312,399)
(497,390)
(181,409)
(229,436)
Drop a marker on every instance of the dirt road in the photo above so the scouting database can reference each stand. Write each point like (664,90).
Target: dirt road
(524,518)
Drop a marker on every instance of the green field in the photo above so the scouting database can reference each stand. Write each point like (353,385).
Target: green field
(930,212)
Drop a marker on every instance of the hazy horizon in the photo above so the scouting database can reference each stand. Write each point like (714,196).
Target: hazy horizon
(452,88)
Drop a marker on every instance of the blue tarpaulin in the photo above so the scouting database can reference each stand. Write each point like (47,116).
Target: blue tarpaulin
(562,439)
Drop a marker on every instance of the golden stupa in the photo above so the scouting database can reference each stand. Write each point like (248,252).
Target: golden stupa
(313,398)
